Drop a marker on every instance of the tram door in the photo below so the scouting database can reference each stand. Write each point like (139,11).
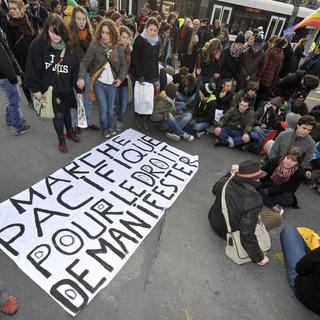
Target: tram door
(275,27)
(221,13)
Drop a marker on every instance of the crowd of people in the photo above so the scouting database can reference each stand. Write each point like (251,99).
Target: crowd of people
(250,93)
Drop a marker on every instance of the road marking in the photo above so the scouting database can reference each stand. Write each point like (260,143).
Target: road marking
(314,99)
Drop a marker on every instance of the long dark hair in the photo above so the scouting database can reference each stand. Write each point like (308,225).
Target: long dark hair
(73,28)
(55,24)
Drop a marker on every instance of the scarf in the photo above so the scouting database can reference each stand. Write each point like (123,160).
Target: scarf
(23,24)
(235,53)
(153,41)
(83,34)
(58,46)
(282,175)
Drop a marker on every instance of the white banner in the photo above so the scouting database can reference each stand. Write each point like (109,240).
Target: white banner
(74,230)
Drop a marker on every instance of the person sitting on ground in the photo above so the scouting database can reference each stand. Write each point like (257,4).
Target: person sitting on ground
(297,81)
(315,132)
(249,91)
(10,305)
(303,268)
(266,119)
(296,138)
(297,104)
(178,77)
(244,205)
(203,112)
(187,90)
(284,176)
(165,114)
(234,127)
(224,96)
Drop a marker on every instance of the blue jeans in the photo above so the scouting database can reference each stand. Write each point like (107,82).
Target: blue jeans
(121,102)
(198,127)
(13,116)
(176,124)
(258,135)
(187,99)
(233,136)
(179,105)
(105,94)
(293,248)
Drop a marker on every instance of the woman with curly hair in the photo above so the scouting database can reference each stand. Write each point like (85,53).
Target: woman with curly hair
(209,62)
(81,36)
(105,61)
(52,62)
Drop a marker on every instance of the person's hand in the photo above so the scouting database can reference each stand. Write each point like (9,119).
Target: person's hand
(234,83)
(198,71)
(263,126)
(264,261)
(217,131)
(222,94)
(245,138)
(216,75)
(117,83)
(80,84)
(234,168)
(37,95)
(166,116)
(308,174)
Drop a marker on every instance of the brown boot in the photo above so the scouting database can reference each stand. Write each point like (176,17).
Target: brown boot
(62,144)
(72,136)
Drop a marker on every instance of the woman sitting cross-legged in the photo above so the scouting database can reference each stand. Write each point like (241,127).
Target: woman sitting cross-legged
(284,176)
(164,113)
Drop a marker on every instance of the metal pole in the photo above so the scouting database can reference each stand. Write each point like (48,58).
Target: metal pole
(130,7)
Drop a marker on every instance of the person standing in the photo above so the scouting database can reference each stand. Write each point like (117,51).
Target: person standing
(9,70)
(46,67)
(37,15)
(144,63)
(190,46)
(81,36)
(20,35)
(105,61)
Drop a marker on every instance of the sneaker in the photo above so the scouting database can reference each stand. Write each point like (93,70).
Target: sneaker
(112,132)
(23,130)
(187,137)
(199,134)
(172,136)
(72,136)
(119,126)
(107,135)
(278,209)
(94,127)
(222,143)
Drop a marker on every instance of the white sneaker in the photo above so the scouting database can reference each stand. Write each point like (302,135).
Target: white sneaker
(200,134)
(172,136)
(278,209)
(187,137)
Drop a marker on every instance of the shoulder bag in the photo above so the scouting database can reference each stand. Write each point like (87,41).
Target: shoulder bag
(234,249)
(44,106)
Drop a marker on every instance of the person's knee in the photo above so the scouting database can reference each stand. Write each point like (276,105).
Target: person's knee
(288,233)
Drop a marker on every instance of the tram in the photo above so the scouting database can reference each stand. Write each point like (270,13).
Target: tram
(273,16)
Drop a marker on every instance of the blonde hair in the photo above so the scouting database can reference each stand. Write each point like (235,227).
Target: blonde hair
(210,49)
(18,3)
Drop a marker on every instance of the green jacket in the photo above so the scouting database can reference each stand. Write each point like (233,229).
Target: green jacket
(234,119)
(161,106)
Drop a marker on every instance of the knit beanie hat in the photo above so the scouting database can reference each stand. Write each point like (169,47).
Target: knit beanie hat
(292,120)
(171,90)
(240,38)
(277,101)
(208,89)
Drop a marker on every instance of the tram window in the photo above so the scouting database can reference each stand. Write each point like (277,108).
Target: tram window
(189,8)
(243,21)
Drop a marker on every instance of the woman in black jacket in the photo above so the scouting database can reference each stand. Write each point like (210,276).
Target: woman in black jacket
(284,176)
(303,268)
(20,35)
(145,63)
(45,68)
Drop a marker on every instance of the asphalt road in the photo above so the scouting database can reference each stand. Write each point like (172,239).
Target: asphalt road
(180,270)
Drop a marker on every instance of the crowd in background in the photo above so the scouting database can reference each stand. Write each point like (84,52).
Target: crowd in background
(249,93)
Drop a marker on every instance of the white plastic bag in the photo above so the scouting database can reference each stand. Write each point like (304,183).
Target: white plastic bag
(143,97)
(82,119)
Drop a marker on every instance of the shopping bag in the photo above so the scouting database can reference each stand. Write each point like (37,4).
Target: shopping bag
(82,119)
(143,97)
(44,107)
